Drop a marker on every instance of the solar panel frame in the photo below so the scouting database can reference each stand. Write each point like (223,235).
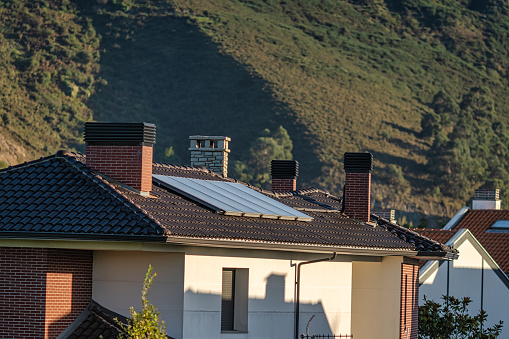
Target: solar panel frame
(231,198)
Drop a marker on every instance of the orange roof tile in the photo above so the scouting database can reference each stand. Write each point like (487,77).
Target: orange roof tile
(497,244)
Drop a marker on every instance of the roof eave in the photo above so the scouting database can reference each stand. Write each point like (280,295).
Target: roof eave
(308,248)
(439,255)
(82,236)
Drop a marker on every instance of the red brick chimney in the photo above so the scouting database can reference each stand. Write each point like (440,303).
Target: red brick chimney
(122,151)
(284,175)
(357,190)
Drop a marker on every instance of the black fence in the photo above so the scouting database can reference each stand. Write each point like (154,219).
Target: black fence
(326,336)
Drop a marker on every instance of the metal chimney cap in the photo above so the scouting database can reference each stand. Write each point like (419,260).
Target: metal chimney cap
(358,162)
(487,194)
(127,133)
(284,169)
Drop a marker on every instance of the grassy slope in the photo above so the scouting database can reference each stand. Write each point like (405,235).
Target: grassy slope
(47,66)
(339,76)
(357,84)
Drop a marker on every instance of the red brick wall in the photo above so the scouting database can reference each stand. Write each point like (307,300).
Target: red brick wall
(358,195)
(284,185)
(130,165)
(42,290)
(409,301)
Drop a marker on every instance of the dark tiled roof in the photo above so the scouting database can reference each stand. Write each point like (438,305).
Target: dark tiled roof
(440,235)
(60,196)
(95,322)
(497,244)
(421,242)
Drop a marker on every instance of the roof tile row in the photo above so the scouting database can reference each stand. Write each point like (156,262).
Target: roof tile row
(60,193)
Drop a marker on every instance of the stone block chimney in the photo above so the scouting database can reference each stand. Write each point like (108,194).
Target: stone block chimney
(284,175)
(357,190)
(211,152)
(486,199)
(386,214)
(122,151)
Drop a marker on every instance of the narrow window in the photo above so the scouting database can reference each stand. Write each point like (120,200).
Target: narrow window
(234,299)
(228,300)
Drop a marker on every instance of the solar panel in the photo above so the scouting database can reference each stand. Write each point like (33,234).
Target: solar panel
(231,198)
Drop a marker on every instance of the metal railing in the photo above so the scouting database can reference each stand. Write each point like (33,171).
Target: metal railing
(326,336)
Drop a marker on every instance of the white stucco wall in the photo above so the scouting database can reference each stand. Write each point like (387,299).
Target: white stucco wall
(465,277)
(118,280)
(325,287)
(376,296)
(346,296)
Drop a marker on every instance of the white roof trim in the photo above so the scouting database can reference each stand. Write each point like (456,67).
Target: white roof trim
(433,265)
(454,220)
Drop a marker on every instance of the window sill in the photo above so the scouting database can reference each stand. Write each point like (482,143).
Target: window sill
(240,332)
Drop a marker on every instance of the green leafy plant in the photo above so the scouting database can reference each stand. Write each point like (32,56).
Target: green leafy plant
(145,324)
(270,146)
(451,320)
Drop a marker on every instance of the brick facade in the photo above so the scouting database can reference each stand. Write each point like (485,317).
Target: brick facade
(42,290)
(409,301)
(358,195)
(130,165)
(284,185)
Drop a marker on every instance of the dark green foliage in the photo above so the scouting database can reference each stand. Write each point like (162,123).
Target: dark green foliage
(451,320)
(474,152)
(383,76)
(255,169)
(47,72)
(478,103)
(397,179)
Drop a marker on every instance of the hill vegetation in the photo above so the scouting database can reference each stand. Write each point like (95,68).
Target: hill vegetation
(422,84)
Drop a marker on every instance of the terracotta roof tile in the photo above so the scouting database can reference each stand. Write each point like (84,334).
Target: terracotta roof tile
(439,235)
(497,244)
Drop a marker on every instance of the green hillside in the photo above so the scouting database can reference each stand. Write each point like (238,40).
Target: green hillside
(422,84)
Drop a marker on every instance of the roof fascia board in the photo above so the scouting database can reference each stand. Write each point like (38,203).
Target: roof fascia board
(81,236)
(289,247)
(111,242)
(188,250)
(457,217)
(81,244)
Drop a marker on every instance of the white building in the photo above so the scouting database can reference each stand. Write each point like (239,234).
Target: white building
(232,261)
(480,237)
